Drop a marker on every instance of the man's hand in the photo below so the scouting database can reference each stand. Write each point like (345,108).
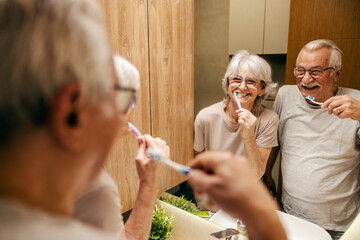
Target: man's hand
(343,106)
(227,180)
(232,185)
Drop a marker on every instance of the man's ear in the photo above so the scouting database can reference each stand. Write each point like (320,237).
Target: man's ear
(338,73)
(65,117)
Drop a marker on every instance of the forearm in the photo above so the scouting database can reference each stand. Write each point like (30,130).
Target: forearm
(272,159)
(253,155)
(138,225)
(265,224)
(260,215)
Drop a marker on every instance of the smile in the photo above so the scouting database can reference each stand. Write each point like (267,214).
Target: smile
(243,94)
(310,88)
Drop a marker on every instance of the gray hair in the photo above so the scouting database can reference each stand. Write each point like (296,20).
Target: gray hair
(257,68)
(128,77)
(336,53)
(46,45)
(127,74)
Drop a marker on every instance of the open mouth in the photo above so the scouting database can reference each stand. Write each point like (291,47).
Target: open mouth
(242,95)
(308,88)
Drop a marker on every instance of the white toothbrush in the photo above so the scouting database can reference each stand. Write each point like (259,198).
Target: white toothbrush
(237,100)
(158,157)
(311,101)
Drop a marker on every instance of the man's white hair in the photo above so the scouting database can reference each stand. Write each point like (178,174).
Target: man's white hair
(336,53)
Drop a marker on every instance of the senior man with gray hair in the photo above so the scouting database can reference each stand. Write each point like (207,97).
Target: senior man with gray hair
(319,141)
(61,108)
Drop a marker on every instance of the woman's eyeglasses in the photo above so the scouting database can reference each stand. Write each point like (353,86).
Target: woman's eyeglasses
(236,81)
(126,98)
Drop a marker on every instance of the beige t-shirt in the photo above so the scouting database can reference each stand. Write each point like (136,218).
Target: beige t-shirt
(213,131)
(100,205)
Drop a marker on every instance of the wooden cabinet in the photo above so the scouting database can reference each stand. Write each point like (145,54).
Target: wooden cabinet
(171,55)
(260,26)
(157,36)
(336,20)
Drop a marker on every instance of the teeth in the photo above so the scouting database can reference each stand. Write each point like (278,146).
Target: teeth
(244,95)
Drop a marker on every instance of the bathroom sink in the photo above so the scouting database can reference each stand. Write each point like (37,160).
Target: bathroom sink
(296,228)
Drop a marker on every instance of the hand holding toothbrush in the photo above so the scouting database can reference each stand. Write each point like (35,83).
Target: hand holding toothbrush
(343,106)
(247,121)
(149,171)
(160,157)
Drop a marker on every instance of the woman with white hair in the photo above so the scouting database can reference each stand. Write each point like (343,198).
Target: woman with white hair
(240,123)
(100,205)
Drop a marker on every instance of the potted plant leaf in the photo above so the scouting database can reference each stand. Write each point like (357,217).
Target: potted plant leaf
(162,224)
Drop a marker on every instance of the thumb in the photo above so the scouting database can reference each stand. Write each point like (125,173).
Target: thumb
(141,151)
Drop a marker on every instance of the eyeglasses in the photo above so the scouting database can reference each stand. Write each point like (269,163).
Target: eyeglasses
(236,81)
(314,73)
(125,98)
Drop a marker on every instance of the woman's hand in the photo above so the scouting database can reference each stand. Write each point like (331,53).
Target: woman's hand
(138,224)
(247,122)
(149,170)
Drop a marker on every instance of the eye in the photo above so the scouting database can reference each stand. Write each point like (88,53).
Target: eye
(235,79)
(316,72)
(300,70)
(250,81)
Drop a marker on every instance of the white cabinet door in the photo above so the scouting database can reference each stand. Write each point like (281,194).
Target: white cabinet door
(277,13)
(259,26)
(246,25)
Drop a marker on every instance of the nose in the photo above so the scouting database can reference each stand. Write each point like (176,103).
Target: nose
(242,85)
(307,78)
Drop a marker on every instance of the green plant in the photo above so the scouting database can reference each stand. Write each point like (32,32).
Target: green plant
(182,203)
(162,224)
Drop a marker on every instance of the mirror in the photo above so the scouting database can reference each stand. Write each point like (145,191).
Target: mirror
(213,47)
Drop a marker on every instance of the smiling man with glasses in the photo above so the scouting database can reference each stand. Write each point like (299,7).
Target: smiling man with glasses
(320,160)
